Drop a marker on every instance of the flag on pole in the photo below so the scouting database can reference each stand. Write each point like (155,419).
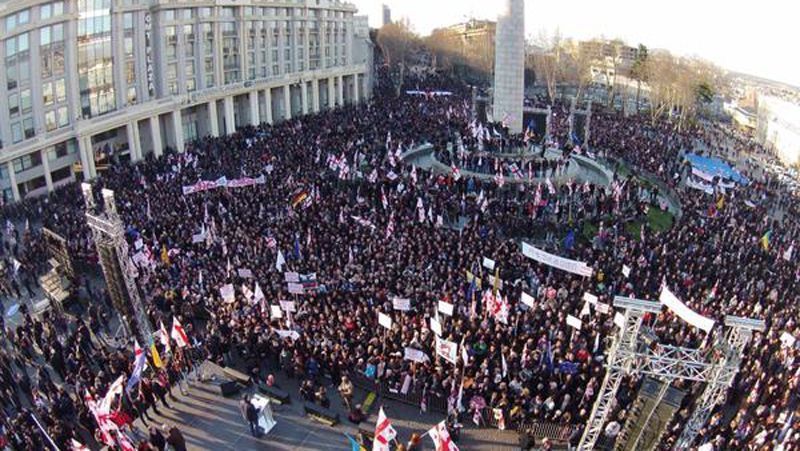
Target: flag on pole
(355,446)
(765,240)
(164,255)
(154,354)
(441,438)
(164,336)
(384,433)
(139,361)
(178,334)
(280,261)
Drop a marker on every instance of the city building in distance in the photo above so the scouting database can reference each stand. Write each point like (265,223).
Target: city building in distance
(92,80)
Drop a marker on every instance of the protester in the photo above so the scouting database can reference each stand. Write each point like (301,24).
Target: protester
(337,201)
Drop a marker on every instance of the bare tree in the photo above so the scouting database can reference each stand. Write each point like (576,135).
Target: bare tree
(548,63)
(639,72)
(396,41)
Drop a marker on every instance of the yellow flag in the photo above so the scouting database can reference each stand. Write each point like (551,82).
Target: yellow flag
(154,353)
(720,202)
(164,255)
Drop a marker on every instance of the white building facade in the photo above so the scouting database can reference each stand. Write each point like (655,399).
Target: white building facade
(90,83)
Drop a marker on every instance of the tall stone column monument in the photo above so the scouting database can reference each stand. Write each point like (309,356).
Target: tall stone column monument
(509,65)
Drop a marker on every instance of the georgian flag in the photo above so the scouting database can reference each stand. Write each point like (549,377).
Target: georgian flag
(456,172)
(390,226)
(515,170)
(441,438)
(178,334)
(384,201)
(550,186)
(498,178)
(384,433)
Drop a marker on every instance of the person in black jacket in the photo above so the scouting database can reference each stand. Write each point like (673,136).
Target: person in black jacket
(252,418)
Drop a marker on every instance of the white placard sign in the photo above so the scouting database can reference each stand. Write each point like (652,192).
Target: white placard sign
(602,308)
(287,306)
(226,291)
(446,308)
(626,270)
(436,327)
(447,349)
(555,261)
(275,311)
(384,320)
(527,299)
(684,312)
(787,339)
(291,277)
(488,263)
(245,273)
(296,288)
(573,322)
(402,304)
(619,319)
(415,355)
(590,298)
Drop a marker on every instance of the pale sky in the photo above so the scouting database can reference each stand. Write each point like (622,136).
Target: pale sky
(756,37)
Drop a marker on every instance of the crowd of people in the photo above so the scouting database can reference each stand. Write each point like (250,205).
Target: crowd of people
(338,203)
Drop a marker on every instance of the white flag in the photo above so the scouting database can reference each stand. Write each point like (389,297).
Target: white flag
(280,261)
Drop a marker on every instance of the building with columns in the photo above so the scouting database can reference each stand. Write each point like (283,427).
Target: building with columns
(89,83)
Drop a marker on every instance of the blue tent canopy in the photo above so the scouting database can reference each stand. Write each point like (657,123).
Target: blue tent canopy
(716,167)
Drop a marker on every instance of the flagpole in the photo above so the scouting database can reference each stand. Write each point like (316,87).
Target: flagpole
(46,435)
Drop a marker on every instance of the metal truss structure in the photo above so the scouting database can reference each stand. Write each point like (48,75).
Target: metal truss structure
(109,237)
(630,354)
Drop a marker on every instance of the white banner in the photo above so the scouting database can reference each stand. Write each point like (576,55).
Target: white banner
(527,299)
(227,293)
(708,189)
(488,263)
(384,320)
(684,312)
(294,335)
(447,349)
(446,308)
(402,304)
(573,322)
(436,327)
(415,355)
(287,306)
(221,182)
(555,261)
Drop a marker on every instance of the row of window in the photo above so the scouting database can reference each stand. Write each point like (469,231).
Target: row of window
(23,17)
(170,15)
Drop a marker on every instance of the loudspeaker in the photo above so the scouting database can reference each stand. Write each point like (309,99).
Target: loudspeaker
(228,389)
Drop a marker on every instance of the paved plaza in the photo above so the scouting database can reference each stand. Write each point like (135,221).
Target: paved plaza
(210,421)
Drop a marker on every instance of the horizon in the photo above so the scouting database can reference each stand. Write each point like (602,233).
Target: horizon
(752,41)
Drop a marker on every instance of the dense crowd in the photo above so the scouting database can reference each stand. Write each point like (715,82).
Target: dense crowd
(338,202)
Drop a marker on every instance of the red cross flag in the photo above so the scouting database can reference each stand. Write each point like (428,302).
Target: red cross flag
(178,334)
(441,438)
(384,433)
